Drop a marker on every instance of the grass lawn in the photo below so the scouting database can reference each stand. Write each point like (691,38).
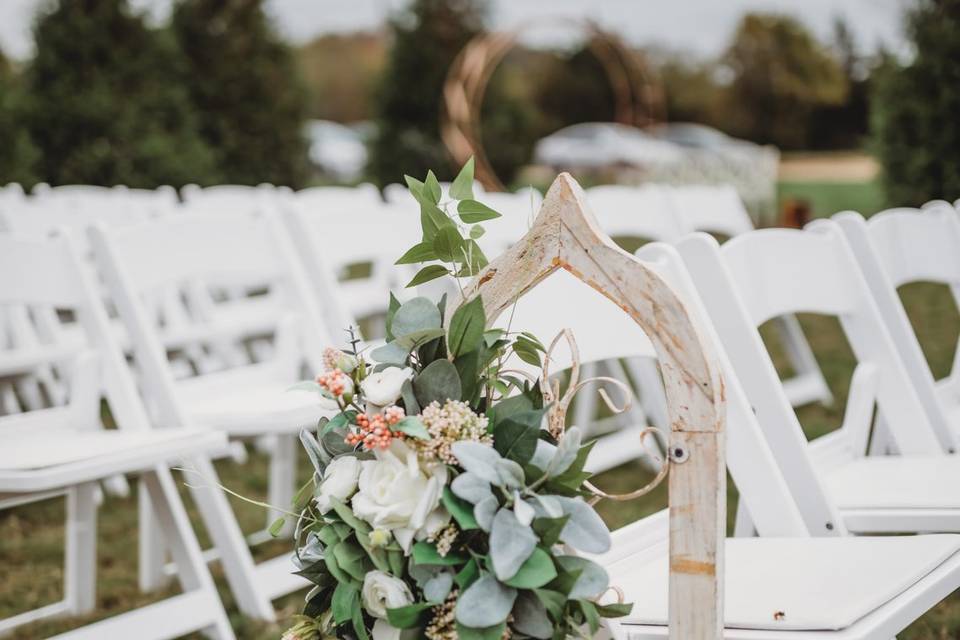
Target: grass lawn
(31,537)
(827,198)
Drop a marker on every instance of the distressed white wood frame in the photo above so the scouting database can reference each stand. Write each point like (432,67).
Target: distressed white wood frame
(565,235)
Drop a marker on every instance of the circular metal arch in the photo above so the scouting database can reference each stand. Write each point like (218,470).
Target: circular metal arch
(638,100)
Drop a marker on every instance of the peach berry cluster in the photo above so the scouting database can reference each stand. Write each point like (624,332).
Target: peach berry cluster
(374,431)
(336,382)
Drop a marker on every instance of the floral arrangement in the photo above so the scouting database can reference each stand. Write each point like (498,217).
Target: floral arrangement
(440,506)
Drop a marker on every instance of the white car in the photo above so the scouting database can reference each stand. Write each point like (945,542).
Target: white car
(336,149)
(595,145)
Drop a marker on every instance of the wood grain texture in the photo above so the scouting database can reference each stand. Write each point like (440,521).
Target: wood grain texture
(565,235)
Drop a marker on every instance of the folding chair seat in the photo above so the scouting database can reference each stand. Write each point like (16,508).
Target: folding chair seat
(765,273)
(903,246)
(193,251)
(65,450)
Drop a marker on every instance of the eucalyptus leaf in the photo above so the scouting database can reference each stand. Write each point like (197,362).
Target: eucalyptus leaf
(530,616)
(438,587)
(472,211)
(415,314)
(410,341)
(421,252)
(511,543)
(438,382)
(476,232)
(390,353)
(305,385)
(585,531)
(592,581)
(333,442)
(478,459)
(470,487)
(494,632)
(448,244)
(466,327)
(535,572)
(484,512)
(566,452)
(485,603)
(431,187)
(409,398)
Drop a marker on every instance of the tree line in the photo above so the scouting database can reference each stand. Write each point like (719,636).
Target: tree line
(217,96)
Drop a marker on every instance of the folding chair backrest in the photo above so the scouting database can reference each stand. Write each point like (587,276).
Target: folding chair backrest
(903,246)
(715,209)
(182,258)
(602,331)
(339,200)
(517,212)
(765,274)
(48,273)
(635,212)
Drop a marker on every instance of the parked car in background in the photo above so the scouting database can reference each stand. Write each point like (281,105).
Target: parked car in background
(597,145)
(336,149)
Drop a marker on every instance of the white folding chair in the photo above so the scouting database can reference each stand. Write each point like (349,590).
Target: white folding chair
(64,450)
(786,585)
(903,246)
(771,272)
(220,250)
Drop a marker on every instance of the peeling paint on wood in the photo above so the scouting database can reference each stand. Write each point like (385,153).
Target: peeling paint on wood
(565,235)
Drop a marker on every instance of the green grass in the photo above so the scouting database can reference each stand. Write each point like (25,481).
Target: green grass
(31,537)
(827,198)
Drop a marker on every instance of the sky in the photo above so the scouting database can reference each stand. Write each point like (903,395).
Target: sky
(702,27)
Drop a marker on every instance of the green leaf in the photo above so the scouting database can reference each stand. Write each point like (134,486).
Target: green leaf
(473,258)
(488,633)
(549,529)
(408,617)
(461,510)
(509,407)
(484,603)
(277,526)
(590,614)
(467,575)
(305,385)
(346,514)
(377,555)
(409,399)
(395,558)
(333,566)
(466,327)
(432,219)
(516,437)
(553,601)
(345,598)
(391,311)
(350,558)
(412,426)
(616,610)
(438,382)
(428,273)
(537,571)
(391,353)
(426,553)
(462,186)
(416,339)
(527,351)
(431,187)
(421,252)
(448,244)
(472,211)
(359,625)
(468,368)
(415,186)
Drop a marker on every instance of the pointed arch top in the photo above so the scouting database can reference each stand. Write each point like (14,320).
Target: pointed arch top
(566,235)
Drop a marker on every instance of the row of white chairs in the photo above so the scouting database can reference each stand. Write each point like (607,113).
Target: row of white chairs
(224,250)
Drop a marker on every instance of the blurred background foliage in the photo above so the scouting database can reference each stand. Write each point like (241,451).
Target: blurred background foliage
(217,96)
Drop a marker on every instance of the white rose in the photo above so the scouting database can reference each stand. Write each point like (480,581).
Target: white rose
(339,481)
(383,388)
(398,494)
(382,591)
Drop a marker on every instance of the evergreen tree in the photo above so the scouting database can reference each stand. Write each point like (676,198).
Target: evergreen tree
(245,85)
(106,103)
(18,155)
(426,39)
(915,109)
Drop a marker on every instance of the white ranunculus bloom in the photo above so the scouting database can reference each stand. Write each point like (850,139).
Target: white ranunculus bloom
(339,481)
(382,591)
(399,494)
(383,388)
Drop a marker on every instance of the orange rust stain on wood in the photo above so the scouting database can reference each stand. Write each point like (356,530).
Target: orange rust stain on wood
(693,567)
(487,277)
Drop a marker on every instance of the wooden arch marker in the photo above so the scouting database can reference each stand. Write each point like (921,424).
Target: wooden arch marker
(565,235)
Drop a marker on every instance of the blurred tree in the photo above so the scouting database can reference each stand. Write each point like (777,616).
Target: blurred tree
(426,39)
(780,74)
(916,129)
(575,88)
(245,86)
(106,103)
(343,92)
(693,92)
(18,155)
(844,126)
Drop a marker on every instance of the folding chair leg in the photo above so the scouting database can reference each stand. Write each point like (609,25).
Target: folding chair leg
(283,477)
(172,521)
(152,545)
(80,572)
(585,406)
(221,523)
(647,378)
